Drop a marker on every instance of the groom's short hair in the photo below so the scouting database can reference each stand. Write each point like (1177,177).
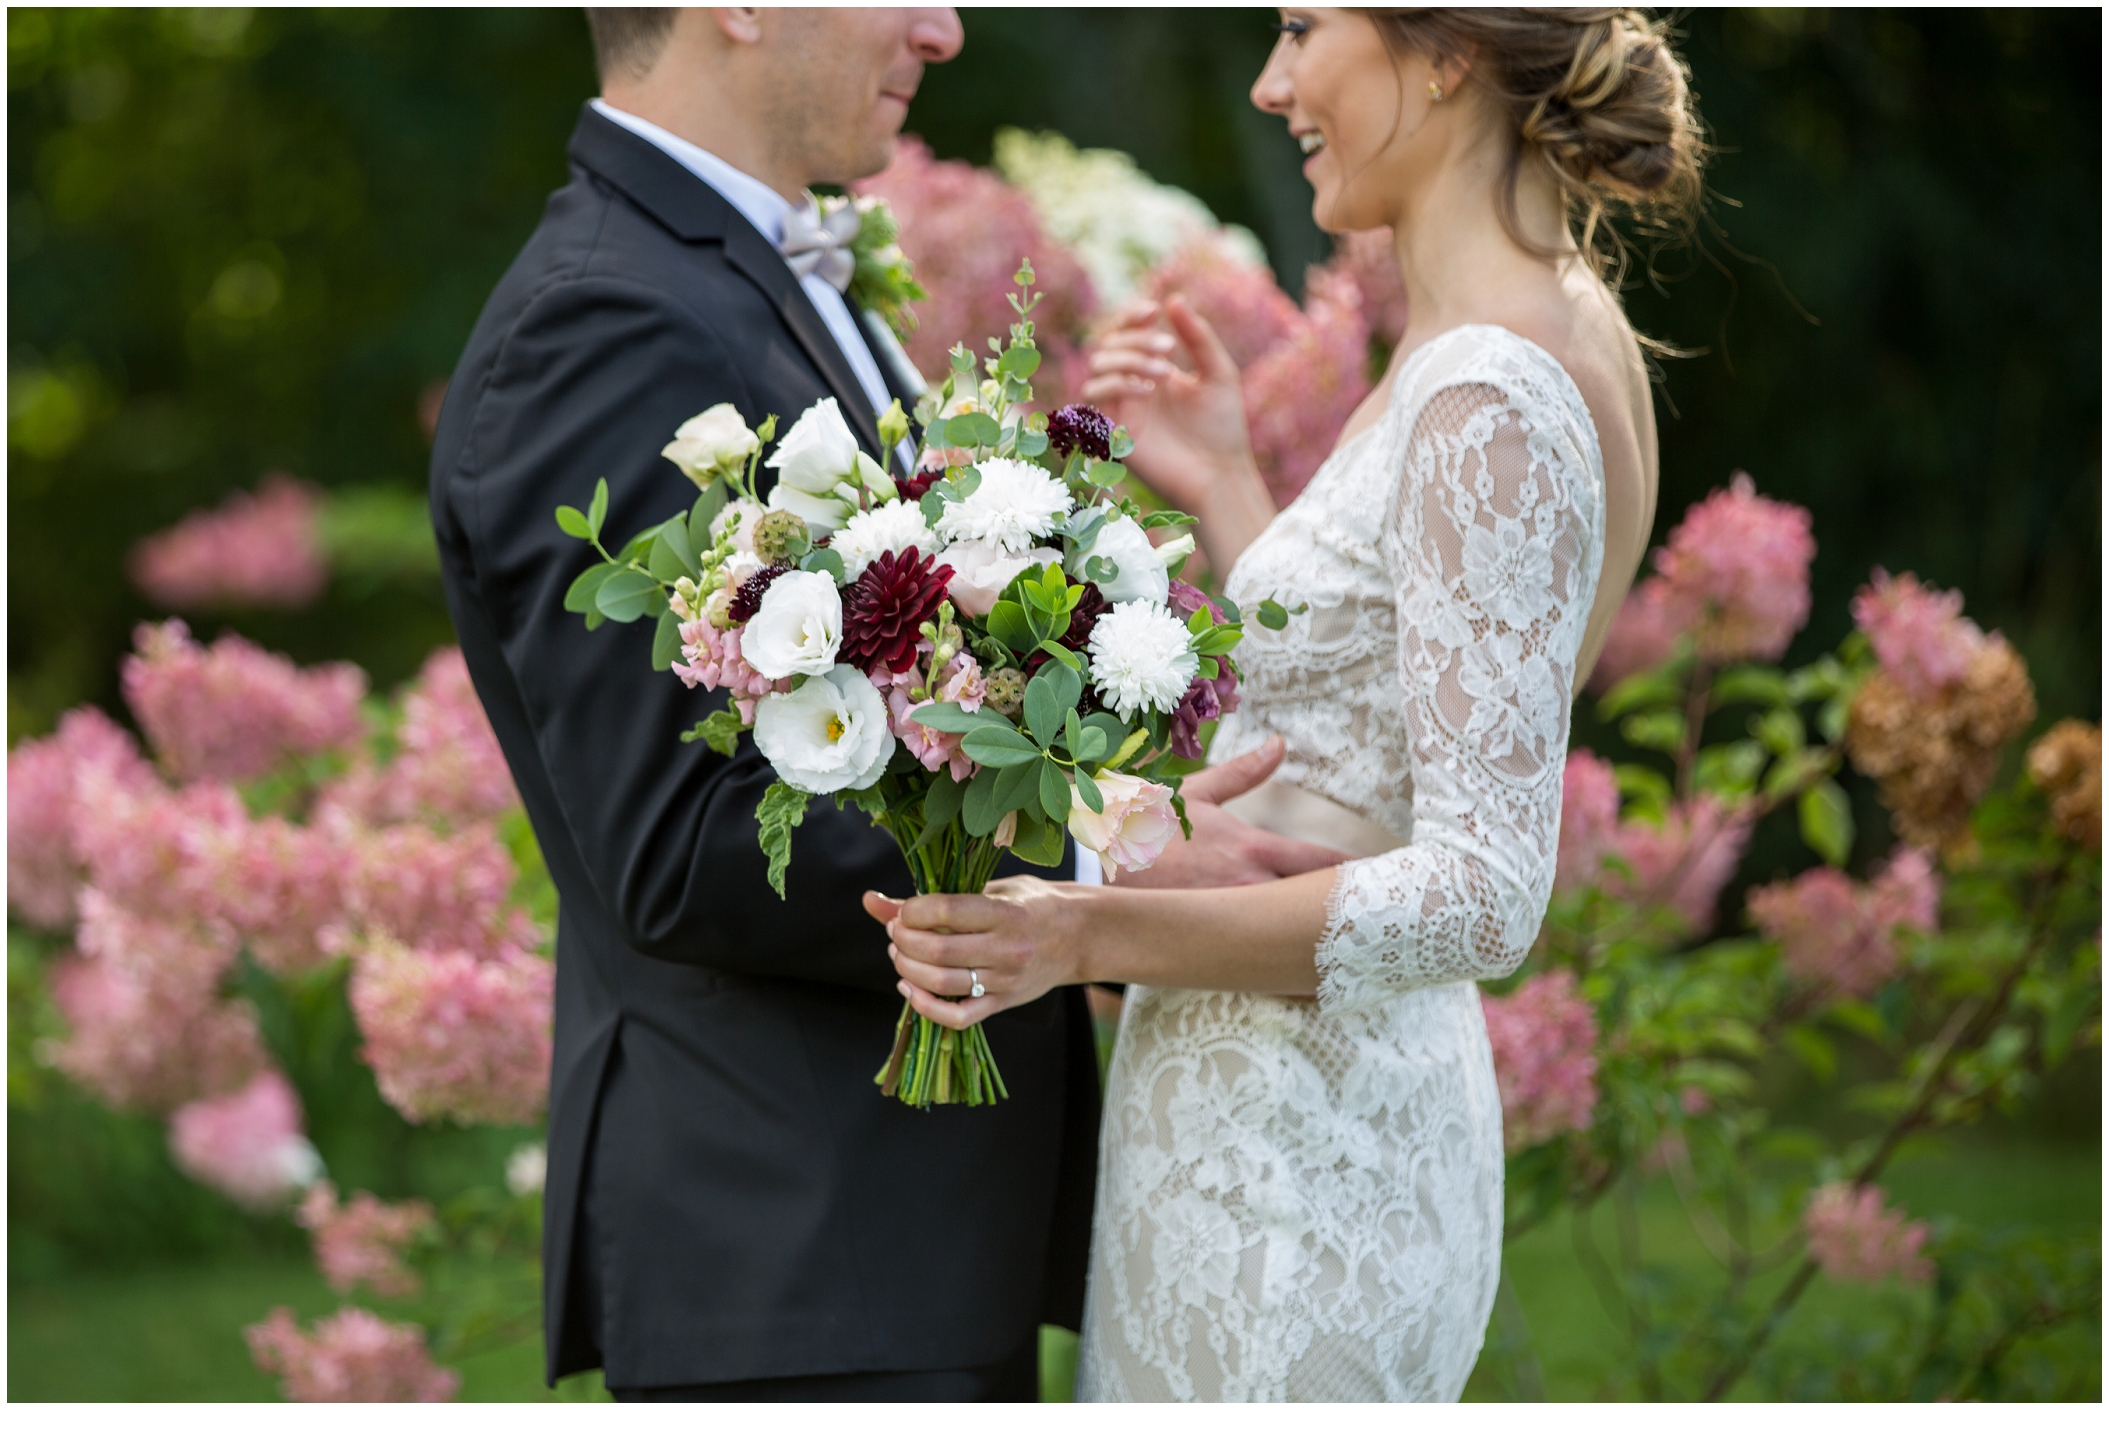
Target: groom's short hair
(627,42)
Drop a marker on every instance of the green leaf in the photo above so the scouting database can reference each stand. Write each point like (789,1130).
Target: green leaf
(1780,730)
(1009,625)
(1038,841)
(972,428)
(1016,784)
(667,565)
(1644,783)
(979,809)
(1273,615)
(945,716)
(1091,745)
(782,808)
(1043,712)
(1054,792)
(823,559)
(1760,684)
(1649,688)
(721,731)
(1019,361)
(700,515)
(666,642)
(1102,569)
(1073,663)
(1661,730)
(934,434)
(1033,443)
(1827,821)
(625,595)
(1153,519)
(1129,747)
(1088,790)
(940,805)
(580,597)
(1073,732)
(1105,475)
(1815,1051)
(574,523)
(675,534)
(999,747)
(598,512)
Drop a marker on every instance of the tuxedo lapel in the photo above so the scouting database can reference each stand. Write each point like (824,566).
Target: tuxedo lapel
(686,205)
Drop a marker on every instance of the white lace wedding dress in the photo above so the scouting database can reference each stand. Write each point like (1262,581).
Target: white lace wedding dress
(1302,1199)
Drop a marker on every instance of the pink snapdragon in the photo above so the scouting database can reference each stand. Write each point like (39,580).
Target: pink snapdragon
(427,890)
(44,778)
(234,711)
(1738,568)
(1920,636)
(1854,1238)
(247,1144)
(1133,828)
(1544,1039)
(254,550)
(1841,936)
(960,683)
(965,229)
(711,659)
(351,1357)
(451,1036)
(362,1241)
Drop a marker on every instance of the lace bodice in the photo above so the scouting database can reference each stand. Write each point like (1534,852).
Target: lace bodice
(1303,1199)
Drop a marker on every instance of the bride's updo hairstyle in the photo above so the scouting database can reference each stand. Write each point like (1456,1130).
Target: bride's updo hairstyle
(1596,94)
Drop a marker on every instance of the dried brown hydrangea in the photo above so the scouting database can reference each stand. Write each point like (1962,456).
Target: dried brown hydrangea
(1934,758)
(2066,762)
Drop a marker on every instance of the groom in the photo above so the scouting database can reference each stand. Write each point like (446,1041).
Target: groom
(733,1211)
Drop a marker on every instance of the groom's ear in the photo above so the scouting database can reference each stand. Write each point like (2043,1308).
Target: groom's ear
(741,24)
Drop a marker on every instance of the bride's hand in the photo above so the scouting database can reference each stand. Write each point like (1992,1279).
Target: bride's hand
(1015,939)
(1225,851)
(1188,426)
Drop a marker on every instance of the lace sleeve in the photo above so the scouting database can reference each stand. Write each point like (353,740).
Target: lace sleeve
(1490,542)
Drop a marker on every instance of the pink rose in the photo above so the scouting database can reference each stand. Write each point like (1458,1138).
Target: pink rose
(1135,826)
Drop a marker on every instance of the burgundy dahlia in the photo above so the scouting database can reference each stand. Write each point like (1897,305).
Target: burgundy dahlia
(747,600)
(913,488)
(884,609)
(1081,428)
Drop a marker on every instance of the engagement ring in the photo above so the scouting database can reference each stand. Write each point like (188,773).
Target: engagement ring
(976,990)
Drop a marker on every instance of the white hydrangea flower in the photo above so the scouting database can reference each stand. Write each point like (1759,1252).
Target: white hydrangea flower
(1014,503)
(1142,658)
(894,527)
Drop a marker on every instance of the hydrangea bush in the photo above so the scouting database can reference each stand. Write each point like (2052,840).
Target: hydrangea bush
(1657,1012)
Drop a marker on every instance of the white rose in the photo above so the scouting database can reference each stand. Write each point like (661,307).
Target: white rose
(715,442)
(1142,575)
(819,453)
(981,571)
(796,629)
(827,736)
(894,527)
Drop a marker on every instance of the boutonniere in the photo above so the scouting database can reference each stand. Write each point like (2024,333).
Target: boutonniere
(884,280)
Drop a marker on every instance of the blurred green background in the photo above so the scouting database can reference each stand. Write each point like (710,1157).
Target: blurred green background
(245,241)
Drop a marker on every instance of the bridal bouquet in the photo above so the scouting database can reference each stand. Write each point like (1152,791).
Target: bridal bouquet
(980,656)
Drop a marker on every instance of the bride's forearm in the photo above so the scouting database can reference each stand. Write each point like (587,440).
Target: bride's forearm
(1260,938)
(1237,509)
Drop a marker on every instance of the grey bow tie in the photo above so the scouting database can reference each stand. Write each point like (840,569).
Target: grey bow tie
(817,240)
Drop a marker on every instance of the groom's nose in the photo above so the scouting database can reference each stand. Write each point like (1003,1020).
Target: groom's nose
(935,34)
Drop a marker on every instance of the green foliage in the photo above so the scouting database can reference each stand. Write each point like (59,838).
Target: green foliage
(781,809)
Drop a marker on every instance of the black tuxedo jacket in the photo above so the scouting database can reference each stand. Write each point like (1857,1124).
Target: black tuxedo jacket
(759,1210)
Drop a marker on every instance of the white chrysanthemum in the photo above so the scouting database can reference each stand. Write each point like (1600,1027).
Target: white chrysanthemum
(894,527)
(1141,657)
(1014,503)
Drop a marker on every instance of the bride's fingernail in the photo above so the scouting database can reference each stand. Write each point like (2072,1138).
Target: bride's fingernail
(901,987)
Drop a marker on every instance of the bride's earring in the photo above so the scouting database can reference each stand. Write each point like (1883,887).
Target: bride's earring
(1435,90)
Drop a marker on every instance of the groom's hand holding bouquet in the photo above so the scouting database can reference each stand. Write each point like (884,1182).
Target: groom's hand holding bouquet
(980,657)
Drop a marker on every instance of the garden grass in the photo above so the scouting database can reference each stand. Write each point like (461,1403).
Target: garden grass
(174,1333)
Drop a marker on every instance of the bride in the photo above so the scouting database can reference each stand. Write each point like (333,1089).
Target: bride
(1301,1167)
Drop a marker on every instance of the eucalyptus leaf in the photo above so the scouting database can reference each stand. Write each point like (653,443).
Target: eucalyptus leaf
(666,642)
(580,597)
(626,595)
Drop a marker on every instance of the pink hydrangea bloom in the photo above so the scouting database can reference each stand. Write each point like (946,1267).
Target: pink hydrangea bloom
(447,765)
(1544,1040)
(1684,863)
(961,684)
(254,550)
(427,890)
(711,659)
(1643,633)
(1588,819)
(234,711)
(351,1357)
(281,887)
(43,779)
(1301,392)
(362,1241)
(451,1036)
(1840,936)
(965,229)
(247,1144)
(153,850)
(1740,561)
(1369,258)
(1920,636)
(1249,313)
(1854,1238)
(147,1028)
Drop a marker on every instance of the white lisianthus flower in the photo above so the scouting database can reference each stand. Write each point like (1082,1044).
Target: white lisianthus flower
(1141,657)
(1175,551)
(1142,575)
(894,527)
(1132,830)
(821,514)
(981,571)
(818,453)
(797,628)
(712,444)
(1015,503)
(827,736)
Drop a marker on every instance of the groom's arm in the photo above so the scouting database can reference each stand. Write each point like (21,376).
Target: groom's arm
(591,382)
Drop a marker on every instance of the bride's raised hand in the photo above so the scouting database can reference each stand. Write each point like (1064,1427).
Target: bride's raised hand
(1012,939)
(1188,425)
